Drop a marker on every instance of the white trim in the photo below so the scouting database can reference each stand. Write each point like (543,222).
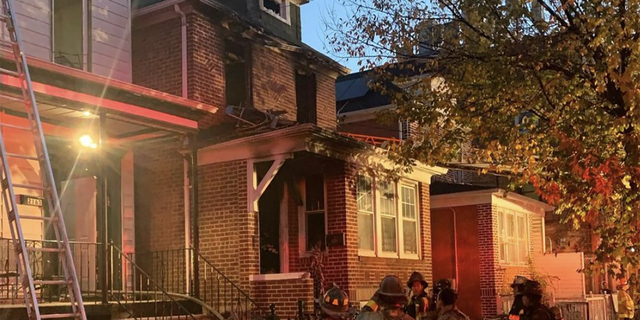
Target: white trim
(515,240)
(416,191)
(255,189)
(500,197)
(307,138)
(278,276)
(287,10)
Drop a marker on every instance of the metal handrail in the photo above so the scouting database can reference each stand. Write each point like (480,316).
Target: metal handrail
(153,282)
(209,264)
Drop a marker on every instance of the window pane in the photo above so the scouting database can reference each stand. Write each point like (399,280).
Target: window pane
(365,231)
(365,197)
(315,230)
(314,191)
(388,234)
(523,251)
(521,228)
(408,202)
(387,199)
(511,225)
(410,239)
(503,251)
(512,252)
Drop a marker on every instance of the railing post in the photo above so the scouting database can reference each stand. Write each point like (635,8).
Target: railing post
(300,309)
(102,205)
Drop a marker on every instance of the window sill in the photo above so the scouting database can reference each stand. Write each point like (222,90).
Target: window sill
(392,255)
(410,256)
(366,253)
(277,276)
(277,16)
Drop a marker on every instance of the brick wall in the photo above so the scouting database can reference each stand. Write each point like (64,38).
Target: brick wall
(226,229)
(488,251)
(159,196)
(156,56)
(326,101)
(285,294)
(274,85)
(205,46)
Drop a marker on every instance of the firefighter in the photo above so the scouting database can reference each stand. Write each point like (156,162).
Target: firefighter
(335,305)
(626,307)
(419,302)
(387,303)
(532,300)
(447,309)
(556,312)
(441,284)
(518,307)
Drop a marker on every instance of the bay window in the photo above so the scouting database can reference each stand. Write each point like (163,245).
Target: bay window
(387,218)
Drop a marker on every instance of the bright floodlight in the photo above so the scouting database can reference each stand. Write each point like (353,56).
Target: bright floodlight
(86,113)
(93,145)
(86,140)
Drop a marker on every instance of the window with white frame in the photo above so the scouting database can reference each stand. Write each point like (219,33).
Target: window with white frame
(314,212)
(387,218)
(277,8)
(513,234)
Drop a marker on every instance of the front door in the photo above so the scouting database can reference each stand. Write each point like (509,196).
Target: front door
(78,204)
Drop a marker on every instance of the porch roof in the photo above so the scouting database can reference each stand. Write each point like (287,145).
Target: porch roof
(496,196)
(67,97)
(308,138)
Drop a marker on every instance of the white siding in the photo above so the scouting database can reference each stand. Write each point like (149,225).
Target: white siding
(111,39)
(536,233)
(34,20)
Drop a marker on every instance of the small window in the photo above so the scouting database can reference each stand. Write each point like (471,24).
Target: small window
(314,211)
(277,8)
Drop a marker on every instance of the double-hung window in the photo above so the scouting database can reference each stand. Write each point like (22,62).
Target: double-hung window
(388,224)
(513,234)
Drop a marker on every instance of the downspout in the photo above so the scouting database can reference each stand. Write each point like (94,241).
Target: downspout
(455,245)
(190,174)
(183,40)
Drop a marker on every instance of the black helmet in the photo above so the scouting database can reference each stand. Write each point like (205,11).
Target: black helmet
(532,288)
(443,284)
(335,304)
(391,292)
(417,276)
(519,281)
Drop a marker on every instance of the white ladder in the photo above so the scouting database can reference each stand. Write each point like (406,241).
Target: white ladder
(47,187)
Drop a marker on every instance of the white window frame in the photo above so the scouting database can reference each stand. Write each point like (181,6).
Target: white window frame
(285,6)
(378,215)
(413,186)
(366,252)
(515,240)
(377,222)
(302,217)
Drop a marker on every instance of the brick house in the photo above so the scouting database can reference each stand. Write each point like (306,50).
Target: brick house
(272,178)
(482,236)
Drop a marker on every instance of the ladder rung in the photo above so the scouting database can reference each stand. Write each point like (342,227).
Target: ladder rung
(9,72)
(37,249)
(52,282)
(36,217)
(6,125)
(59,316)
(28,186)
(22,156)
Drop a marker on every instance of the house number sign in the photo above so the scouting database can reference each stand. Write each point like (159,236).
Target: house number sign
(30,201)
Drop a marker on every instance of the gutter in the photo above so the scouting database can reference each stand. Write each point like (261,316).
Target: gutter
(183,33)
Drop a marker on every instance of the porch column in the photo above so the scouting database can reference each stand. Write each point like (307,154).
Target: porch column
(102,205)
